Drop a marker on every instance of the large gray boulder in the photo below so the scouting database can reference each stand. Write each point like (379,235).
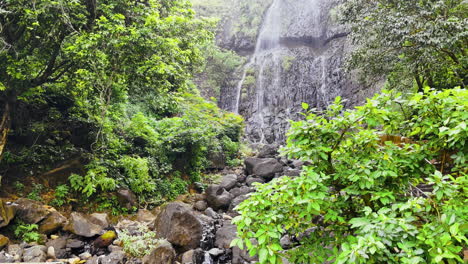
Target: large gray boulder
(180,225)
(31,212)
(83,225)
(164,253)
(264,168)
(228,181)
(217,197)
(7,213)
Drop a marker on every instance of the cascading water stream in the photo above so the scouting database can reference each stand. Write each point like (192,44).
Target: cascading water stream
(292,63)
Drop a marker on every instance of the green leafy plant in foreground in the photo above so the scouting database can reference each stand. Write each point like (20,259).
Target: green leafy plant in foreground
(60,195)
(27,233)
(358,201)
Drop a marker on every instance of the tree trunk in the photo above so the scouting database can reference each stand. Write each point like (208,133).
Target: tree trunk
(4,127)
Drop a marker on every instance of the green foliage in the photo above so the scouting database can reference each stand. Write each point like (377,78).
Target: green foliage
(19,187)
(36,191)
(27,233)
(422,41)
(137,174)
(358,201)
(96,178)
(141,244)
(60,195)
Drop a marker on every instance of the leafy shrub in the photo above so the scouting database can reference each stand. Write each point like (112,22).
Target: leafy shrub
(60,195)
(27,233)
(95,179)
(358,201)
(137,174)
(36,191)
(140,244)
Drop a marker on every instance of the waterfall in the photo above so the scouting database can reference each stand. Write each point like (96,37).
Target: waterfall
(292,63)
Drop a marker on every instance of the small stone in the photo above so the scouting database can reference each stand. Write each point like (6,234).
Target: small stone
(215,252)
(54,237)
(226,217)
(16,251)
(35,254)
(187,257)
(73,260)
(113,248)
(250,180)
(211,213)
(51,253)
(85,256)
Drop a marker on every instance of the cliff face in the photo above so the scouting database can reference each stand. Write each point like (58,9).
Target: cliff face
(296,55)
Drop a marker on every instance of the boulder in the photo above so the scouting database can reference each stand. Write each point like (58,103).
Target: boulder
(127,198)
(179,224)
(164,253)
(292,172)
(238,191)
(81,225)
(211,213)
(268,151)
(237,201)
(201,205)
(35,254)
(115,257)
(242,256)
(228,181)
(187,257)
(3,241)
(297,164)
(264,168)
(6,258)
(145,216)
(7,213)
(105,239)
(217,160)
(100,219)
(52,223)
(251,179)
(217,197)
(225,235)
(31,212)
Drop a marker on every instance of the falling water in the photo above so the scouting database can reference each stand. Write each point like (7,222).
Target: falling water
(314,78)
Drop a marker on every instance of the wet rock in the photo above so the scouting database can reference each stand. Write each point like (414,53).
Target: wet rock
(16,251)
(31,212)
(116,257)
(237,201)
(250,180)
(113,248)
(201,205)
(52,223)
(225,235)
(241,178)
(211,213)
(228,181)
(7,213)
(35,254)
(217,197)
(264,168)
(242,256)
(297,164)
(3,241)
(59,245)
(292,172)
(127,198)
(164,253)
(81,225)
(268,151)
(179,224)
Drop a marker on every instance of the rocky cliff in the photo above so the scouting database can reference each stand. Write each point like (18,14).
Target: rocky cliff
(295,53)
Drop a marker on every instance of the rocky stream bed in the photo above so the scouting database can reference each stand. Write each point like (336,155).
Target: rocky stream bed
(194,229)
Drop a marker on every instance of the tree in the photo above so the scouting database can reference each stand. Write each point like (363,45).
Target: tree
(358,201)
(96,52)
(424,41)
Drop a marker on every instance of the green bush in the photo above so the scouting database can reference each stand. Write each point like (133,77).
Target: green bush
(360,194)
